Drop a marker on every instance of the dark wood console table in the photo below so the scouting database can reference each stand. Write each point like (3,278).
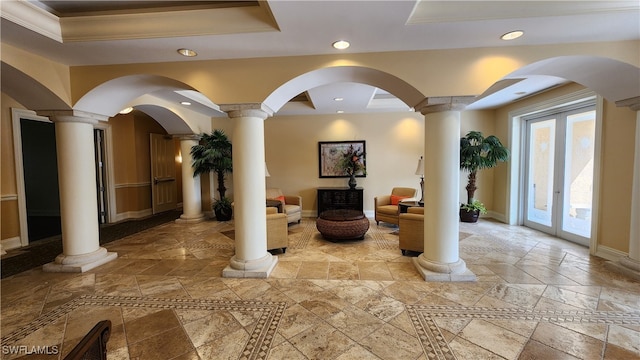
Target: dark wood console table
(334,198)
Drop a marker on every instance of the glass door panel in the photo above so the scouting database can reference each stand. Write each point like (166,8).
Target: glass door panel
(578,173)
(559,173)
(541,162)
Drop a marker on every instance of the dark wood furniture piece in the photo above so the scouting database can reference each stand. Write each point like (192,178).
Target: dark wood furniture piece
(275,203)
(342,224)
(335,198)
(404,205)
(94,345)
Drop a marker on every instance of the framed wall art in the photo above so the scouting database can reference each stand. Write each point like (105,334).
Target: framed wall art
(339,159)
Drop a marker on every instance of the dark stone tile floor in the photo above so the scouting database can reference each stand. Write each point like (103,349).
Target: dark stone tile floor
(44,251)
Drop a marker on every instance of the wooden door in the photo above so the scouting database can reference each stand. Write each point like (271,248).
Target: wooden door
(163,173)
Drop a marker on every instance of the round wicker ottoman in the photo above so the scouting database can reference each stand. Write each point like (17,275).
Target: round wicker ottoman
(342,224)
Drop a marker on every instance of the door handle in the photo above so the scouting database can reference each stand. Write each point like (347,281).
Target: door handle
(157,180)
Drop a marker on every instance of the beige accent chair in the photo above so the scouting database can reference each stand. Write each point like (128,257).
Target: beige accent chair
(412,230)
(292,204)
(277,232)
(383,209)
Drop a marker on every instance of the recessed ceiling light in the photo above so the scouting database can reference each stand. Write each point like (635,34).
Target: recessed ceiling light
(512,35)
(126,110)
(341,44)
(340,111)
(338,99)
(187,52)
(186,103)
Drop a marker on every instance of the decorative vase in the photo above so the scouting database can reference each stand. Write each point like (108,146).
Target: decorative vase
(352,182)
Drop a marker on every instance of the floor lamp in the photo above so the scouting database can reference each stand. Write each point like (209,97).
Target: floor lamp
(420,172)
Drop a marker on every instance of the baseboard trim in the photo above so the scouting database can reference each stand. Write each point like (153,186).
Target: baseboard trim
(10,243)
(608,253)
(133,215)
(496,216)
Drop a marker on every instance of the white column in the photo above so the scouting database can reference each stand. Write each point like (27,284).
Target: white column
(81,249)
(441,260)
(251,259)
(630,265)
(191,194)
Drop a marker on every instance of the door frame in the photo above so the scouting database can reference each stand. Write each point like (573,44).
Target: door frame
(109,170)
(16,117)
(514,214)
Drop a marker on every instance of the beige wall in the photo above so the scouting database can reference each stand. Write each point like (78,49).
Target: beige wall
(616,177)
(394,143)
(9,219)
(132,165)
(432,72)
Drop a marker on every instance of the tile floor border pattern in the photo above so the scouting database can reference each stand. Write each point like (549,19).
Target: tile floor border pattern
(209,246)
(435,345)
(379,237)
(309,228)
(257,347)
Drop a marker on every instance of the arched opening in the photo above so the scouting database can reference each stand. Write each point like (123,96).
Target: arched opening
(340,74)
(568,203)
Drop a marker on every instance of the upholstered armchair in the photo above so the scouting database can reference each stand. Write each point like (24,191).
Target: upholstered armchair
(291,205)
(277,233)
(412,230)
(386,206)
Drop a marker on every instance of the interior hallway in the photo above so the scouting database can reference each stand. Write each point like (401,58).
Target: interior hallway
(536,297)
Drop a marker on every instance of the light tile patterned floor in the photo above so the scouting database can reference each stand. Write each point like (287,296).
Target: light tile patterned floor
(536,297)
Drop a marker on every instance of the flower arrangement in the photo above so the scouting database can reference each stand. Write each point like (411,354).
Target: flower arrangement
(352,162)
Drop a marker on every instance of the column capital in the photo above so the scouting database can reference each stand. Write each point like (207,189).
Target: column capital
(247,109)
(195,137)
(73,116)
(443,103)
(632,103)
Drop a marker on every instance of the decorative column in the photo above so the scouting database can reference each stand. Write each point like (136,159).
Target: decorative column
(81,249)
(191,195)
(251,259)
(441,260)
(630,265)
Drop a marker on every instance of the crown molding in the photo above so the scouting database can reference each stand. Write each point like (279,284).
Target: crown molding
(29,16)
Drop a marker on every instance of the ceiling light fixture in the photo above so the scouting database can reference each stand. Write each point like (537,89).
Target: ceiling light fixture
(338,99)
(187,52)
(340,111)
(126,110)
(511,35)
(341,44)
(186,103)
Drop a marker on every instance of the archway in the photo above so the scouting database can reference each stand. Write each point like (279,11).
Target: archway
(394,85)
(613,80)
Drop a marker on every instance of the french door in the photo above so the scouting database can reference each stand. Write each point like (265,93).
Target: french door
(559,172)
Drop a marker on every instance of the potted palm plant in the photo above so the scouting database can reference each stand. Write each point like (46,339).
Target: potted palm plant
(213,154)
(477,153)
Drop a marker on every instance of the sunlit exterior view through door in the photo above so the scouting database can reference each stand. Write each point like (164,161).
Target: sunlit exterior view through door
(559,172)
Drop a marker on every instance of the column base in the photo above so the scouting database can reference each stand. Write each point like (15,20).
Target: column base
(80,263)
(189,219)
(443,272)
(626,266)
(259,269)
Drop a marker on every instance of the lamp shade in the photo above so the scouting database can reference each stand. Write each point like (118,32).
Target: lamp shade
(266,171)
(420,168)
